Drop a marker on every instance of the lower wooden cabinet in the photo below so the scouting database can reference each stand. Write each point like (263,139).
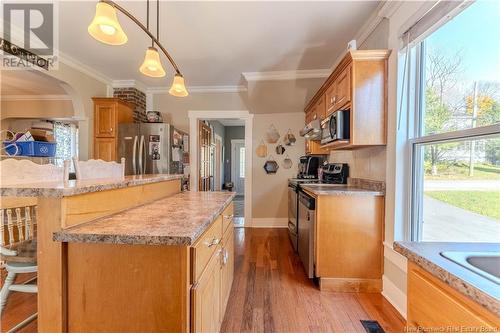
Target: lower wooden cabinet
(227,269)
(105,149)
(206,297)
(212,287)
(433,304)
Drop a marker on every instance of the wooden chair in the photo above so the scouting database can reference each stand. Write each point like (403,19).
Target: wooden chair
(96,169)
(18,225)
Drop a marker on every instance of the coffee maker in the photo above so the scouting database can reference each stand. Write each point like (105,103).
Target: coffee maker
(309,165)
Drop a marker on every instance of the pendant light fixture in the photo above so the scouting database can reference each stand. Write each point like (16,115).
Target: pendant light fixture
(105,26)
(151,65)
(106,29)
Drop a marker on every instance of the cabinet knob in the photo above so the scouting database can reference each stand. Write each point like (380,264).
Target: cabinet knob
(111,129)
(213,242)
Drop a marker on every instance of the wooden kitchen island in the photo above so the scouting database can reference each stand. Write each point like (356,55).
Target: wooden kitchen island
(131,255)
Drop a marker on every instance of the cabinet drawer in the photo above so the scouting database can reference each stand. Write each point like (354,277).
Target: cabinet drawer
(204,248)
(227,217)
(427,297)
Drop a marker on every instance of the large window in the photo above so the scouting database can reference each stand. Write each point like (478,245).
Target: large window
(66,136)
(455,148)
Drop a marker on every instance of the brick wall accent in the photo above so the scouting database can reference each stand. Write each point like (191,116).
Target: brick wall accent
(136,98)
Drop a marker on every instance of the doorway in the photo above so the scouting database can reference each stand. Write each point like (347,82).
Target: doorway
(238,166)
(235,167)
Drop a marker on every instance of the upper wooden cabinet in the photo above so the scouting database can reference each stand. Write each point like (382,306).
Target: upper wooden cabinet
(358,83)
(108,113)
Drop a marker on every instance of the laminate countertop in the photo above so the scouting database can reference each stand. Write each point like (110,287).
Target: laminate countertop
(338,189)
(476,287)
(176,220)
(76,187)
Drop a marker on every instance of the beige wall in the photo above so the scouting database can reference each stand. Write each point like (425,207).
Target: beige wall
(81,88)
(270,190)
(367,163)
(36,109)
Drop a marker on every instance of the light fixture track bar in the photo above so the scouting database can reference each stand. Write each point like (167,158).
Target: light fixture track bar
(136,21)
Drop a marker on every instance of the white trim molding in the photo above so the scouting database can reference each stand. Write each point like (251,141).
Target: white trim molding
(394,295)
(287,75)
(129,84)
(200,89)
(194,116)
(396,258)
(270,222)
(81,67)
(36,98)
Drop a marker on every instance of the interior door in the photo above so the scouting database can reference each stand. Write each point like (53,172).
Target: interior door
(238,165)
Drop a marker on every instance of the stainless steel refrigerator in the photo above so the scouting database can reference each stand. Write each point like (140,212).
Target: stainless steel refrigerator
(151,148)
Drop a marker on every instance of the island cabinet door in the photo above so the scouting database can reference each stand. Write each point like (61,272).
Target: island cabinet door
(227,269)
(206,298)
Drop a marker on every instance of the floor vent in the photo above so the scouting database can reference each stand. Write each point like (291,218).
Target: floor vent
(372,326)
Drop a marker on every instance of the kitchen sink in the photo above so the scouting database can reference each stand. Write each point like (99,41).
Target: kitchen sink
(486,264)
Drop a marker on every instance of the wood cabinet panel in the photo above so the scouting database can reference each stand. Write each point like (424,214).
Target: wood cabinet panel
(343,88)
(227,217)
(206,298)
(314,148)
(104,125)
(321,107)
(428,296)
(205,247)
(105,149)
(227,269)
(349,240)
(330,98)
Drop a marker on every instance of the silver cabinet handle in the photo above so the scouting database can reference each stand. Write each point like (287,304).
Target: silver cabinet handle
(141,147)
(213,242)
(229,216)
(225,257)
(134,156)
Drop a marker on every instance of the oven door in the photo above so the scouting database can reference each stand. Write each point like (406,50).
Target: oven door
(292,216)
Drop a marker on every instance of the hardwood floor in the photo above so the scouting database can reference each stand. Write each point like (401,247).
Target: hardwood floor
(19,307)
(270,293)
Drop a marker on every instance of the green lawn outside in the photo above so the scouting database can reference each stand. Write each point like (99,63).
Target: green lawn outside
(461,171)
(486,203)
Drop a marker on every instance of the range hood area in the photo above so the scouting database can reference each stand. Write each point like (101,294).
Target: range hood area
(311,131)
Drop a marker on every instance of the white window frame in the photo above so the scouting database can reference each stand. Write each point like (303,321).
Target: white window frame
(415,106)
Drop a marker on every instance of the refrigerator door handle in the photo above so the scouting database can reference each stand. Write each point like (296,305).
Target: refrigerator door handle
(145,154)
(134,154)
(140,154)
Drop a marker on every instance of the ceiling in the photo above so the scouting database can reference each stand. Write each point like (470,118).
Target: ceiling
(29,83)
(231,122)
(214,42)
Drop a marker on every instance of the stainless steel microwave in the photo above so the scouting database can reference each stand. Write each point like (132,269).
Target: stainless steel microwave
(335,127)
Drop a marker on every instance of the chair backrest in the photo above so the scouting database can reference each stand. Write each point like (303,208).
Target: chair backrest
(97,169)
(20,214)
(23,171)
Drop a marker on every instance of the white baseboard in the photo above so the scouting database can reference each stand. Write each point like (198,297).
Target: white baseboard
(270,222)
(394,295)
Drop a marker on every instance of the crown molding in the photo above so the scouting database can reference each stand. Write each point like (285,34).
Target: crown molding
(36,98)
(129,84)
(200,89)
(81,67)
(287,75)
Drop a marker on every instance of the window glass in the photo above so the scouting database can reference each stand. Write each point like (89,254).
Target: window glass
(242,162)
(461,191)
(66,136)
(462,71)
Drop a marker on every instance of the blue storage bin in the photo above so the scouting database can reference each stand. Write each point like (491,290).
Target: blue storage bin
(31,148)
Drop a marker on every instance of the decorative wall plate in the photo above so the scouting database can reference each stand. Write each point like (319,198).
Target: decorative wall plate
(272,135)
(261,150)
(280,149)
(289,139)
(271,166)
(287,162)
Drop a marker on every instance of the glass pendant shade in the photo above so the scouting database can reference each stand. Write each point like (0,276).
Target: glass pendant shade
(105,26)
(178,88)
(152,65)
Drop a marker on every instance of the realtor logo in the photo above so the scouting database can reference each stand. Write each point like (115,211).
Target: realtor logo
(29,34)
